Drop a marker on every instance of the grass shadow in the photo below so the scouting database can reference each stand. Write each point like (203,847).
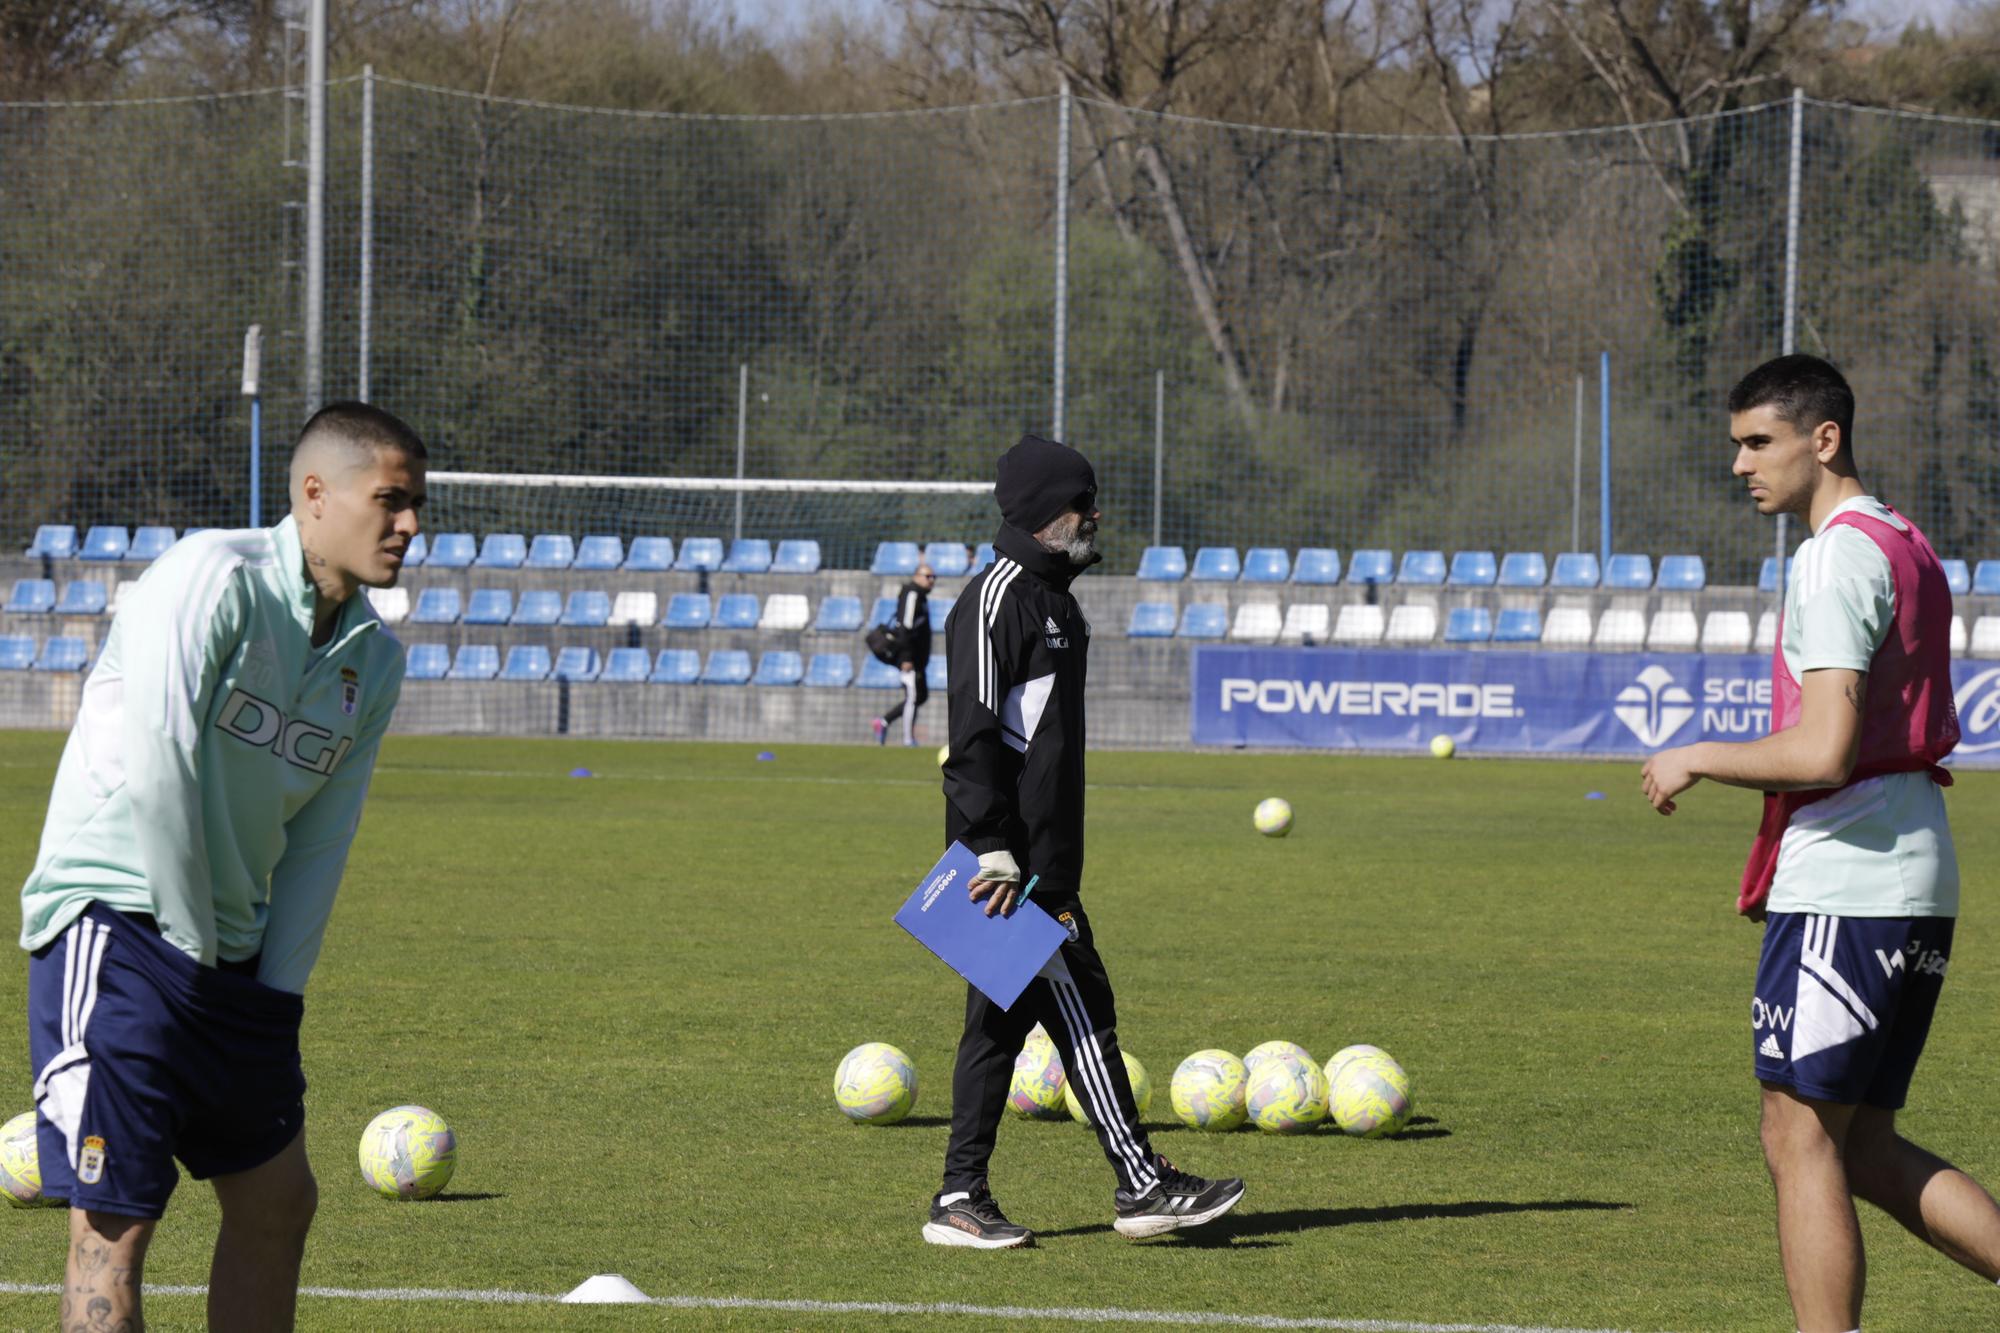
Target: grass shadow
(916,1122)
(456,1196)
(1233,1228)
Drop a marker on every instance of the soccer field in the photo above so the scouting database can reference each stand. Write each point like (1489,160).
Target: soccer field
(628,995)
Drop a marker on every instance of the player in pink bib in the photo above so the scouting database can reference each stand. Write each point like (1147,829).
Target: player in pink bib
(1853,871)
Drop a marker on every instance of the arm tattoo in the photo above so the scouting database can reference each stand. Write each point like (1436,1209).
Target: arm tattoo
(1854,694)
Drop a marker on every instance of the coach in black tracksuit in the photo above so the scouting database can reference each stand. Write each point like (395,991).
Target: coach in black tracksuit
(1015,645)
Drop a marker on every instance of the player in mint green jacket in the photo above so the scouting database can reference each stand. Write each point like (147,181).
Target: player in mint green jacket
(196,835)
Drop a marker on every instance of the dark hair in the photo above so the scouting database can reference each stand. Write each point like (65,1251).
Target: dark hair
(360,424)
(1803,390)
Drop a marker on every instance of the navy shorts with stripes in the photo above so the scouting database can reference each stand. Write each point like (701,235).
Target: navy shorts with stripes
(142,1055)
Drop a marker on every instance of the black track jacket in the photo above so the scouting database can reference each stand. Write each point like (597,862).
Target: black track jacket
(1015,650)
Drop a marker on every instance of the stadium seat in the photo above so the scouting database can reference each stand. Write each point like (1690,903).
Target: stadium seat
(625,666)
(32,597)
(419,548)
(475,661)
(748,555)
(1359,623)
(676,666)
(878,675)
(150,543)
(1413,622)
(883,612)
(578,664)
(428,661)
(83,597)
(1369,567)
(1766,637)
(650,555)
(700,555)
(735,610)
(1567,627)
(595,555)
(1986,579)
(1151,620)
(982,556)
(1306,622)
(1673,630)
(1468,624)
(1985,637)
(17,652)
(1726,632)
(56,541)
(796,557)
(687,610)
(1422,568)
(1316,565)
(1216,564)
(392,605)
(1523,569)
(1204,620)
(785,613)
(948,560)
(588,608)
(538,606)
(1574,569)
(1518,624)
(551,550)
(940,608)
(1629,573)
(489,606)
(1257,622)
(66,653)
(830,671)
(1959,638)
(635,607)
(105,542)
(436,606)
(1620,628)
(452,550)
(1472,569)
(1163,564)
(935,679)
(502,550)
(1266,564)
(526,662)
(894,560)
(838,615)
(1767,573)
(779,667)
(1682,573)
(1957,577)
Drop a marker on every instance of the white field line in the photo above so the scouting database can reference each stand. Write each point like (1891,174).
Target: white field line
(1063,1314)
(760,779)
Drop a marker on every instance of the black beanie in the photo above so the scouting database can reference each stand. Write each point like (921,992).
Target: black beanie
(1039,479)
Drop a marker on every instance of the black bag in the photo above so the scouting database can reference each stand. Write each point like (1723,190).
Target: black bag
(886,643)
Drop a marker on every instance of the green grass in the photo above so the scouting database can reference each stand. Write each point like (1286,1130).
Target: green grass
(629,994)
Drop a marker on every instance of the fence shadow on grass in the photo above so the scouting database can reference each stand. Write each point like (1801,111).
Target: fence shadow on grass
(1234,1228)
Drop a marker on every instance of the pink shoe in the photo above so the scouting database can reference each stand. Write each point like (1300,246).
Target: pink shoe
(881,730)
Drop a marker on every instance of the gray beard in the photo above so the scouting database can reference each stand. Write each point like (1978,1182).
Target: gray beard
(1077,548)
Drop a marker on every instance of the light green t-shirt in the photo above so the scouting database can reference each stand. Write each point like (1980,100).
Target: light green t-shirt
(1881,847)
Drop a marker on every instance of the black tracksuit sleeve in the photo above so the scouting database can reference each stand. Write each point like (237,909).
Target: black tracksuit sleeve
(982,773)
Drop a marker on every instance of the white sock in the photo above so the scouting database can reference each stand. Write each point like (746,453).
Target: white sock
(956,1196)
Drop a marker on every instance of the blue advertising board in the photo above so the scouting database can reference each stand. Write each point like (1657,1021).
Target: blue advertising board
(1611,704)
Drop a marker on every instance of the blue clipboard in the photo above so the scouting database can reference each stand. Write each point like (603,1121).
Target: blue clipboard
(998,954)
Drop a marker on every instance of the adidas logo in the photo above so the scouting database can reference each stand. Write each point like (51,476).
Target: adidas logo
(1771,1048)
(1053,628)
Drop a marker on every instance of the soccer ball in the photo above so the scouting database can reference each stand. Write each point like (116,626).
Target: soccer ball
(875,1084)
(1286,1096)
(1207,1091)
(1372,1097)
(1273,817)
(1443,747)
(20,1162)
(1037,1090)
(1135,1073)
(408,1152)
(944,753)
(1275,1050)
(1346,1053)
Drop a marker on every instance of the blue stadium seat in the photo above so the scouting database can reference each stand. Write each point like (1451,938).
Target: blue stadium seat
(1370,567)
(830,671)
(878,675)
(1468,624)
(63,653)
(747,555)
(150,543)
(796,557)
(1216,564)
(727,666)
(32,597)
(420,547)
(452,550)
(982,556)
(538,606)
(935,678)
(1519,625)
(526,662)
(436,606)
(580,665)
(599,553)
(838,615)
(1957,576)
(1423,568)
(1266,564)
(1473,569)
(677,666)
(475,661)
(1629,573)
(1575,569)
(883,612)
(736,610)
(1682,573)
(1151,620)
(625,666)
(428,661)
(490,606)
(551,550)
(106,542)
(896,560)
(687,610)
(587,607)
(650,555)
(83,597)
(948,560)
(1986,578)
(779,667)
(17,652)
(700,555)
(1163,564)
(1767,573)
(57,541)
(502,550)
(1204,620)
(1523,569)
(1316,566)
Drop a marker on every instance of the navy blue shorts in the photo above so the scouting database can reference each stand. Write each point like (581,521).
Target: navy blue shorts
(1844,1003)
(142,1055)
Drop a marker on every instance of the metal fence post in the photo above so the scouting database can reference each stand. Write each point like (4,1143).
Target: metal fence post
(742,436)
(1788,342)
(1062,254)
(367,293)
(1159,445)
(315,321)
(1604,457)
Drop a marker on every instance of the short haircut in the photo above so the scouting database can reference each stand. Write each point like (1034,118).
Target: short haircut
(1803,390)
(359,426)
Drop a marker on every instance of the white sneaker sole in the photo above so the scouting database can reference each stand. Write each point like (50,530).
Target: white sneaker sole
(939,1234)
(1159,1224)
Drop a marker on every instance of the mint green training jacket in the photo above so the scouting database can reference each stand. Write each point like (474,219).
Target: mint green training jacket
(215,774)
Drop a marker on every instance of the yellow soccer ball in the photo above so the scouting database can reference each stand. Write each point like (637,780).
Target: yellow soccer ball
(1135,1073)
(408,1152)
(1037,1090)
(1273,817)
(1286,1096)
(20,1162)
(944,753)
(1275,1050)
(876,1084)
(1207,1091)
(1372,1098)
(1443,747)
(1346,1053)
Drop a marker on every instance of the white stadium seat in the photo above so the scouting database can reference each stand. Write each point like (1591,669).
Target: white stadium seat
(1257,622)
(635,608)
(1986,637)
(1958,636)
(392,604)
(1767,632)
(1358,623)
(1567,627)
(1413,622)
(1674,629)
(785,612)
(1306,622)
(1726,632)
(1621,627)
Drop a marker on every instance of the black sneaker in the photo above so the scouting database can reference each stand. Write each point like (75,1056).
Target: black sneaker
(1179,1200)
(975,1221)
